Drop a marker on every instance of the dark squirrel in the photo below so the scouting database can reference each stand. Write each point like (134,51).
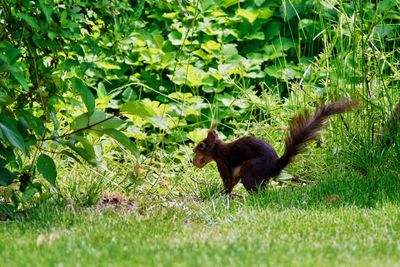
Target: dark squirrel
(255,162)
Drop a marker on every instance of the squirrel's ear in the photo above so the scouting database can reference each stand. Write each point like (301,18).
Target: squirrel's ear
(212,135)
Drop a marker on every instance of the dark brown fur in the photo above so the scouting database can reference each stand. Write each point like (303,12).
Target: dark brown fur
(391,126)
(254,161)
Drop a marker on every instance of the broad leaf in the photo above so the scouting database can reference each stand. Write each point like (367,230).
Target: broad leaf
(46,8)
(265,13)
(86,145)
(211,46)
(251,16)
(18,76)
(83,153)
(28,194)
(6,177)
(33,122)
(98,119)
(45,165)
(123,140)
(289,10)
(8,52)
(86,119)
(13,137)
(31,21)
(107,66)
(71,155)
(85,93)
(138,108)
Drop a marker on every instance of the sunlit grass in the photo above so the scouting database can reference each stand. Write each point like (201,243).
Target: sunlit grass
(197,226)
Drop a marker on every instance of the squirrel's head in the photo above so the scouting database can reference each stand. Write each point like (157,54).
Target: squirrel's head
(204,150)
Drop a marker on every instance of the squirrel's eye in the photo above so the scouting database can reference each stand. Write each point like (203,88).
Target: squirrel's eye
(202,146)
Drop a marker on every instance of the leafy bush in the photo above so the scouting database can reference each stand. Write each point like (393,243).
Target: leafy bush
(49,105)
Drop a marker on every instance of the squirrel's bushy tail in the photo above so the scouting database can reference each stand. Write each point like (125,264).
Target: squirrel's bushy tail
(305,128)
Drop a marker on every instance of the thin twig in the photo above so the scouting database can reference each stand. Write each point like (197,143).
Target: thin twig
(78,130)
(182,8)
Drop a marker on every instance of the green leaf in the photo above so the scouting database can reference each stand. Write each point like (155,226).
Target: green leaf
(52,35)
(176,38)
(129,94)
(251,16)
(5,99)
(274,71)
(289,10)
(86,145)
(284,176)
(7,68)
(107,66)
(138,9)
(71,155)
(171,15)
(159,121)
(33,122)
(259,2)
(6,177)
(212,89)
(211,46)
(189,75)
(110,123)
(265,13)
(85,93)
(123,140)
(226,99)
(13,137)
(159,40)
(229,51)
(273,29)
(197,135)
(18,76)
(45,165)
(283,44)
(31,21)
(385,5)
(28,194)
(8,52)
(226,3)
(255,36)
(47,10)
(304,23)
(82,152)
(84,120)
(138,108)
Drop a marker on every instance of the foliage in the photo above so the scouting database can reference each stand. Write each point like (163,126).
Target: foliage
(49,105)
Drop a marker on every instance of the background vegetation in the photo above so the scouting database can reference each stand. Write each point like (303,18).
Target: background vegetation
(105,96)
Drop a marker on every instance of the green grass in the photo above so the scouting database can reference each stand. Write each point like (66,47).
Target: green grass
(282,226)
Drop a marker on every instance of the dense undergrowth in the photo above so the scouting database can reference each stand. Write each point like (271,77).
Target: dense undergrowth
(160,74)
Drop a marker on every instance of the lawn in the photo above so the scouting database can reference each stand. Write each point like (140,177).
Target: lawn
(343,220)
